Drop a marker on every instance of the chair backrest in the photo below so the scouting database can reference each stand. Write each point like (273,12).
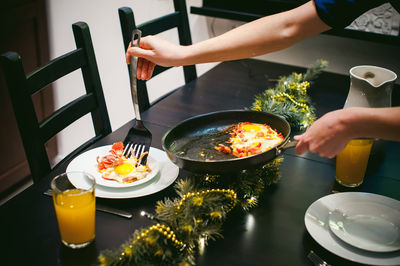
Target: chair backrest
(22,86)
(178,19)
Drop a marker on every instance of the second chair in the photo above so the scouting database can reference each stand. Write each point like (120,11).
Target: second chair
(177,19)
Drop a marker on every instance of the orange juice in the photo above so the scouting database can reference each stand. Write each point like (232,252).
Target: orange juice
(75,210)
(352,161)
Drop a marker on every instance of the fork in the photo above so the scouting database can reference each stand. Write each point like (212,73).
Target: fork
(139,137)
(316,259)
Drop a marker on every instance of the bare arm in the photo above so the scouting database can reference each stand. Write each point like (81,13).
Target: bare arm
(330,134)
(267,34)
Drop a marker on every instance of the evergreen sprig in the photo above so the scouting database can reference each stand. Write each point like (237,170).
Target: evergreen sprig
(290,99)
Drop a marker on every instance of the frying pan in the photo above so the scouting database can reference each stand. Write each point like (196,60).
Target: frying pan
(190,144)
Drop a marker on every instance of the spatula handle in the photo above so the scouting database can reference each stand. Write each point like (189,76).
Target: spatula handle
(136,35)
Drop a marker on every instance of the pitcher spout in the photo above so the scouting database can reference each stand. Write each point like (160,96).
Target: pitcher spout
(375,76)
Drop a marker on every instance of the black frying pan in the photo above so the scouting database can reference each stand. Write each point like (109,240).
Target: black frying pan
(190,144)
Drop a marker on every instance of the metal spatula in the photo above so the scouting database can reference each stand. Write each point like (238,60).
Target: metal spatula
(138,139)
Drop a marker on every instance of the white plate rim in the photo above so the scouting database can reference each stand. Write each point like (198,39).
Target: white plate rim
(367,209)
(167,174)
(316,220)
(86,161)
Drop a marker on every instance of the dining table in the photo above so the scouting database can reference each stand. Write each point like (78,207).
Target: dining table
(271,233)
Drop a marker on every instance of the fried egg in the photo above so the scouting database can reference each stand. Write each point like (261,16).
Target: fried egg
(126,172)
(115,166)
(251,138)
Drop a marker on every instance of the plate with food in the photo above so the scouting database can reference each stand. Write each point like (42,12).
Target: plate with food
(166,176)
(111,169)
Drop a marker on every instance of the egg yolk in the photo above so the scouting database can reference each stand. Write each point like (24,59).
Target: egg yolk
(251,128)
(123,169)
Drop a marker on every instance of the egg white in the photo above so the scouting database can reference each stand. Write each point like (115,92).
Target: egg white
(137,173)
(252,135)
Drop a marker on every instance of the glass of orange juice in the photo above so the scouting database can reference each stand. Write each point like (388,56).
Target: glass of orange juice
(75,208)
(351,162)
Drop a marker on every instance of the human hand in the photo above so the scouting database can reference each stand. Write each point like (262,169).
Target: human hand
(154,50)
(327,136)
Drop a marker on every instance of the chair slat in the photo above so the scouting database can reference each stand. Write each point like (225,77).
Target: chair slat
(66,115)
(127,21)
(55,69)
(159,69)
(161,24)
(91,78)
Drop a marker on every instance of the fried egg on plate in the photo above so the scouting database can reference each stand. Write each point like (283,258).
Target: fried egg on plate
(126,172)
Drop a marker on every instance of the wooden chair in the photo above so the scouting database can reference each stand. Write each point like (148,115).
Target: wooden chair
(178,19)
(21,87)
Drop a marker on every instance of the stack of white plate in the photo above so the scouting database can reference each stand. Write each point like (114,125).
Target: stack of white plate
(360,227)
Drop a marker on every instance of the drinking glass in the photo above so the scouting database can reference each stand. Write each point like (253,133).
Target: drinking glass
(75,208)
(352,161)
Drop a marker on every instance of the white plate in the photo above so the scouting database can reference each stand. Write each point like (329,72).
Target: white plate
(316,220)
(87,162)
(367,225)
(167,174)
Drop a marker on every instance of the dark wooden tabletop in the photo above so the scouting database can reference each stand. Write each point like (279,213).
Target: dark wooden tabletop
(273,233)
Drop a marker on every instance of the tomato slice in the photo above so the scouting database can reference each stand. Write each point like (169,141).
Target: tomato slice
(119,146)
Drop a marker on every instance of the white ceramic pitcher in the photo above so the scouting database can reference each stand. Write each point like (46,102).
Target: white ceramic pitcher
(370,86)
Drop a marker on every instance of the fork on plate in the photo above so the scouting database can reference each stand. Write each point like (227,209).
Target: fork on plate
(139,137)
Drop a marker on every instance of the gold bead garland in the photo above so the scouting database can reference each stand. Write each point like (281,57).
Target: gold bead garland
(161,228)
(230,194)
(166,230)
(305,106)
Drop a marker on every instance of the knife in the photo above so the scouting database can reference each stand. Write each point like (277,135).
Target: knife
(102,208)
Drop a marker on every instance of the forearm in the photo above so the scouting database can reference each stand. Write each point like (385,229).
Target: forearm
(265,35)
(382,123)
(329,134)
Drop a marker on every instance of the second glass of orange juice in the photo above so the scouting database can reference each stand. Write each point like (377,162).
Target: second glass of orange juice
(351,162)
(75,209)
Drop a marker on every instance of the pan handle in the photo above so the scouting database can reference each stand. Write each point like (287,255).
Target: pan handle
(287,145)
